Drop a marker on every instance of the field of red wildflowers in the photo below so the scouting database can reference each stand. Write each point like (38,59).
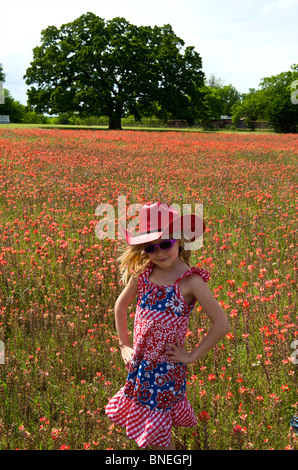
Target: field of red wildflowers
(59,282)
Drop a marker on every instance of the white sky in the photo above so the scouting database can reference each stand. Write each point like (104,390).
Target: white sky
(240,41)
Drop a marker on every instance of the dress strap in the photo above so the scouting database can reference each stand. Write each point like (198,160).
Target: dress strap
(201,272)
(148,270)
(205,275)
(144,276)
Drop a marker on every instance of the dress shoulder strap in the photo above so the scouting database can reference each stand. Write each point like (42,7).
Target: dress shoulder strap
(205,275)
(144,276)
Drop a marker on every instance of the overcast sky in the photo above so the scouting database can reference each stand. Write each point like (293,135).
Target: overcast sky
(240,41)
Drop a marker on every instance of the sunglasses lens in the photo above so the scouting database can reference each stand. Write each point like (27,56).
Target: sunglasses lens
(165,245)
(162,245)
(149,249)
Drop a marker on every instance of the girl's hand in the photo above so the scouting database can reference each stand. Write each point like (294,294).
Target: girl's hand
(126,353)
(176,353)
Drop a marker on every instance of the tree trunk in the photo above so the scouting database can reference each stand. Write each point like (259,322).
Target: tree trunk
(115,122)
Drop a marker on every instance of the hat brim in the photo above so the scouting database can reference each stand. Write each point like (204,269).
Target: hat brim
(190,226)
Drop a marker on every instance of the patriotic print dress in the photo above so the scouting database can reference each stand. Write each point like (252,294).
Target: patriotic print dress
(153,398)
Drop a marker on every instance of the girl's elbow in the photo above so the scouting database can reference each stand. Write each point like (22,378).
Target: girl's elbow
(226,327)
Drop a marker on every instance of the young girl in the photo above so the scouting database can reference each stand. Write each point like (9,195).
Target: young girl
(156,270)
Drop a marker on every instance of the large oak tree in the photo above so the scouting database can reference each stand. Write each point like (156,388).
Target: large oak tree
(114,68)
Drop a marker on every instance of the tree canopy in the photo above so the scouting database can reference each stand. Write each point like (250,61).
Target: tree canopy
(2,74)
(113,68)
(272,102)
(227,95)
(281,111)
(2,79)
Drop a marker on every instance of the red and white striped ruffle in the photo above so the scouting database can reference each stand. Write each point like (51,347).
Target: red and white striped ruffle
(145,426)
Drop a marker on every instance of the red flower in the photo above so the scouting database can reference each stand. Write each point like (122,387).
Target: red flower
(204,417)
(239,430)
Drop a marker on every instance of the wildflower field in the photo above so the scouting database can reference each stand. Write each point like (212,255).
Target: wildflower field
(59,282)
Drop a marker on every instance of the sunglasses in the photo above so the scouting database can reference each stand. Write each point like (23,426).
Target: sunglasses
(163,245)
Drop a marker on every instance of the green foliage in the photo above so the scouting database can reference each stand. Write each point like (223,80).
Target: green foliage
(211,105)
(113,68)
(227,94)
(251,108)
(2,74)
(14,109)
(280,110)
(31,117)
(272,102)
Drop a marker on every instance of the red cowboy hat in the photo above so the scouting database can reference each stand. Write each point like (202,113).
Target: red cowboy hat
(160,220)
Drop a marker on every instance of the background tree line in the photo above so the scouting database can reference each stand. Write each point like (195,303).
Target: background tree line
(93,68)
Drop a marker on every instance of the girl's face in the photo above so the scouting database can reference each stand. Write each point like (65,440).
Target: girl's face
(164,258)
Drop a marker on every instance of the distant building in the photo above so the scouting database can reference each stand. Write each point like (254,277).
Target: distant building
(4,119)
(222,123)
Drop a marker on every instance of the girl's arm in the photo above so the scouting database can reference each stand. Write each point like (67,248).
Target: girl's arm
(125,298)
(219,327)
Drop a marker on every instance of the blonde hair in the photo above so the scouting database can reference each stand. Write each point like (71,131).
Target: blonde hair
(133,260)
